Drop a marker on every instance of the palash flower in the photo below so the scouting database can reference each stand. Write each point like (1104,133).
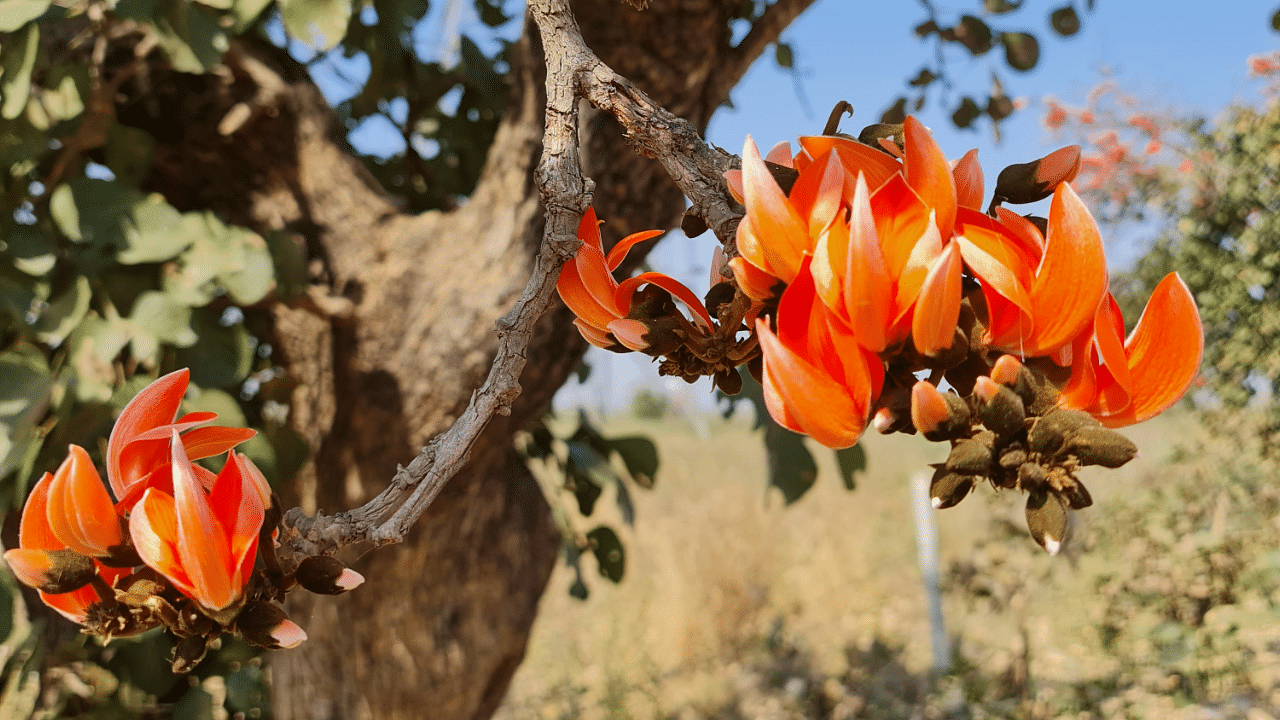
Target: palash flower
(601,303)
(202,542)
(817,379)
(139,442)
(1041,292)
(1125,383)
(42,559)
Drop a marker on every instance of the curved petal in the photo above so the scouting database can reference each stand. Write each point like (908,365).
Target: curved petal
(937,309)
(1024,230)
(812,400)
(576,297)
(929,175)
(1072,277)
(1164,351)
(967,174)
(236,503)
(756,283)
(73,605)
(817,192)
(780,154)
(153,526)
(1061,165)
(868,287)
(630,333)
(618,252)
(1115,383)
(782,234)
(594,335)
(209,441)
(81,513)
(34,532)
(201,541)
(628,287)
(156,405)
(856,158)
(902,221)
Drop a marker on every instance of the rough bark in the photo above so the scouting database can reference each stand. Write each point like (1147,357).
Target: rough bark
(399,331)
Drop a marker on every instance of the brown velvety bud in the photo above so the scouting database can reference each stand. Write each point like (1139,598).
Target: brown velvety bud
(188,653)
(1001,409)
(692,224)
(1028,182)
(947,489)
(266,625)
(1075,494)
(1012,458)
(1100,446)
(937,415)
(1047,519)
(969,457)
(53,571)
(728,381)
(873,134)
(893,410)
(1049,433)
(1032,476)
(327,575)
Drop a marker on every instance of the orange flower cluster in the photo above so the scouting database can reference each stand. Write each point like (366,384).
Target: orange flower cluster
(178,547)
(868,274)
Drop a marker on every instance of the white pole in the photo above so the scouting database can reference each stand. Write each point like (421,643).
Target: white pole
(927,552)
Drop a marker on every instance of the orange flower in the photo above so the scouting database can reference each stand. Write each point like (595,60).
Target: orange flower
(40,559)
(587,286)
(139,442)
(203,542)
(1122,384)
(1040,292)
(817,379)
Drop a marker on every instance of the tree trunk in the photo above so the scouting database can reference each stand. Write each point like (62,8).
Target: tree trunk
(399,331)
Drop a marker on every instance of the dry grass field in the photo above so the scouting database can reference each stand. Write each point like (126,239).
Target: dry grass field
(728,593)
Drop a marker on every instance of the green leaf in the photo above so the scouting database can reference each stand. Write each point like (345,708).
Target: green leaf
(25,385)
(255,276)
(783,54)
(195,704)
(16,13)
(63,102)
(1275,21)
(154,234)
(158,318)
(896,114)
(999,7)
(289,260)
(1065,21)
(30,250)
(1021,50)
(792,468)
(215,401)
(246,11)
(222,357)
(91,348)
(852,460)
(974,34)
(610,556)
(65,313)
(587,472)
(318,23)
(191,37)
(640,456)
(968,111)
(128,154)
(16,62)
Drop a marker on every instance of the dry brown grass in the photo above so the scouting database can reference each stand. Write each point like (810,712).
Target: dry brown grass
(716,563)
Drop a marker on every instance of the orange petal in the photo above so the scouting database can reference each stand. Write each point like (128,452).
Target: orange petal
(813,400)
(782,234)
(618,252)
(628,288)
(81,513)
(1024,230)
(236,503)
(816,193)
(73,605)
(153,527)
(1059,166)
(630,333)
(1164,350)
(1006,370)
(1072,276)
(34,532)
(576,297)
(201,542)
(928,408)
(1115,383)
(594,335)
(780,154)
(733,179)
(156,405)
(927,172)
(856,158)
(209,441)
(937,309)
(902,220)
(1081,390)
(968,178)
(756,283)
(868,288)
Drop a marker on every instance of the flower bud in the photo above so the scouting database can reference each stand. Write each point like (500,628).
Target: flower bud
(947,488)
(1001,409)
(327,575)
(266,625)
(969,457)
(1100,446)
(938,416)
(188,653)
(51,571)
(893,410)
(1049,433)
(1023,183)
(1046,519)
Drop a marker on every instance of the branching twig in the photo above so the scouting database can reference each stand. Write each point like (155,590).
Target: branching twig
(764,30)
(573,72)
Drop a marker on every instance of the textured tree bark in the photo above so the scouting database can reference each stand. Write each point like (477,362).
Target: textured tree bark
(399,331)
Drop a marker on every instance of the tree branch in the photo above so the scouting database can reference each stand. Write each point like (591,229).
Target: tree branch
(573,72)
(764,30)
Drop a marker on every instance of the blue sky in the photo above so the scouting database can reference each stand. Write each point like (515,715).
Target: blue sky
(1173,55)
